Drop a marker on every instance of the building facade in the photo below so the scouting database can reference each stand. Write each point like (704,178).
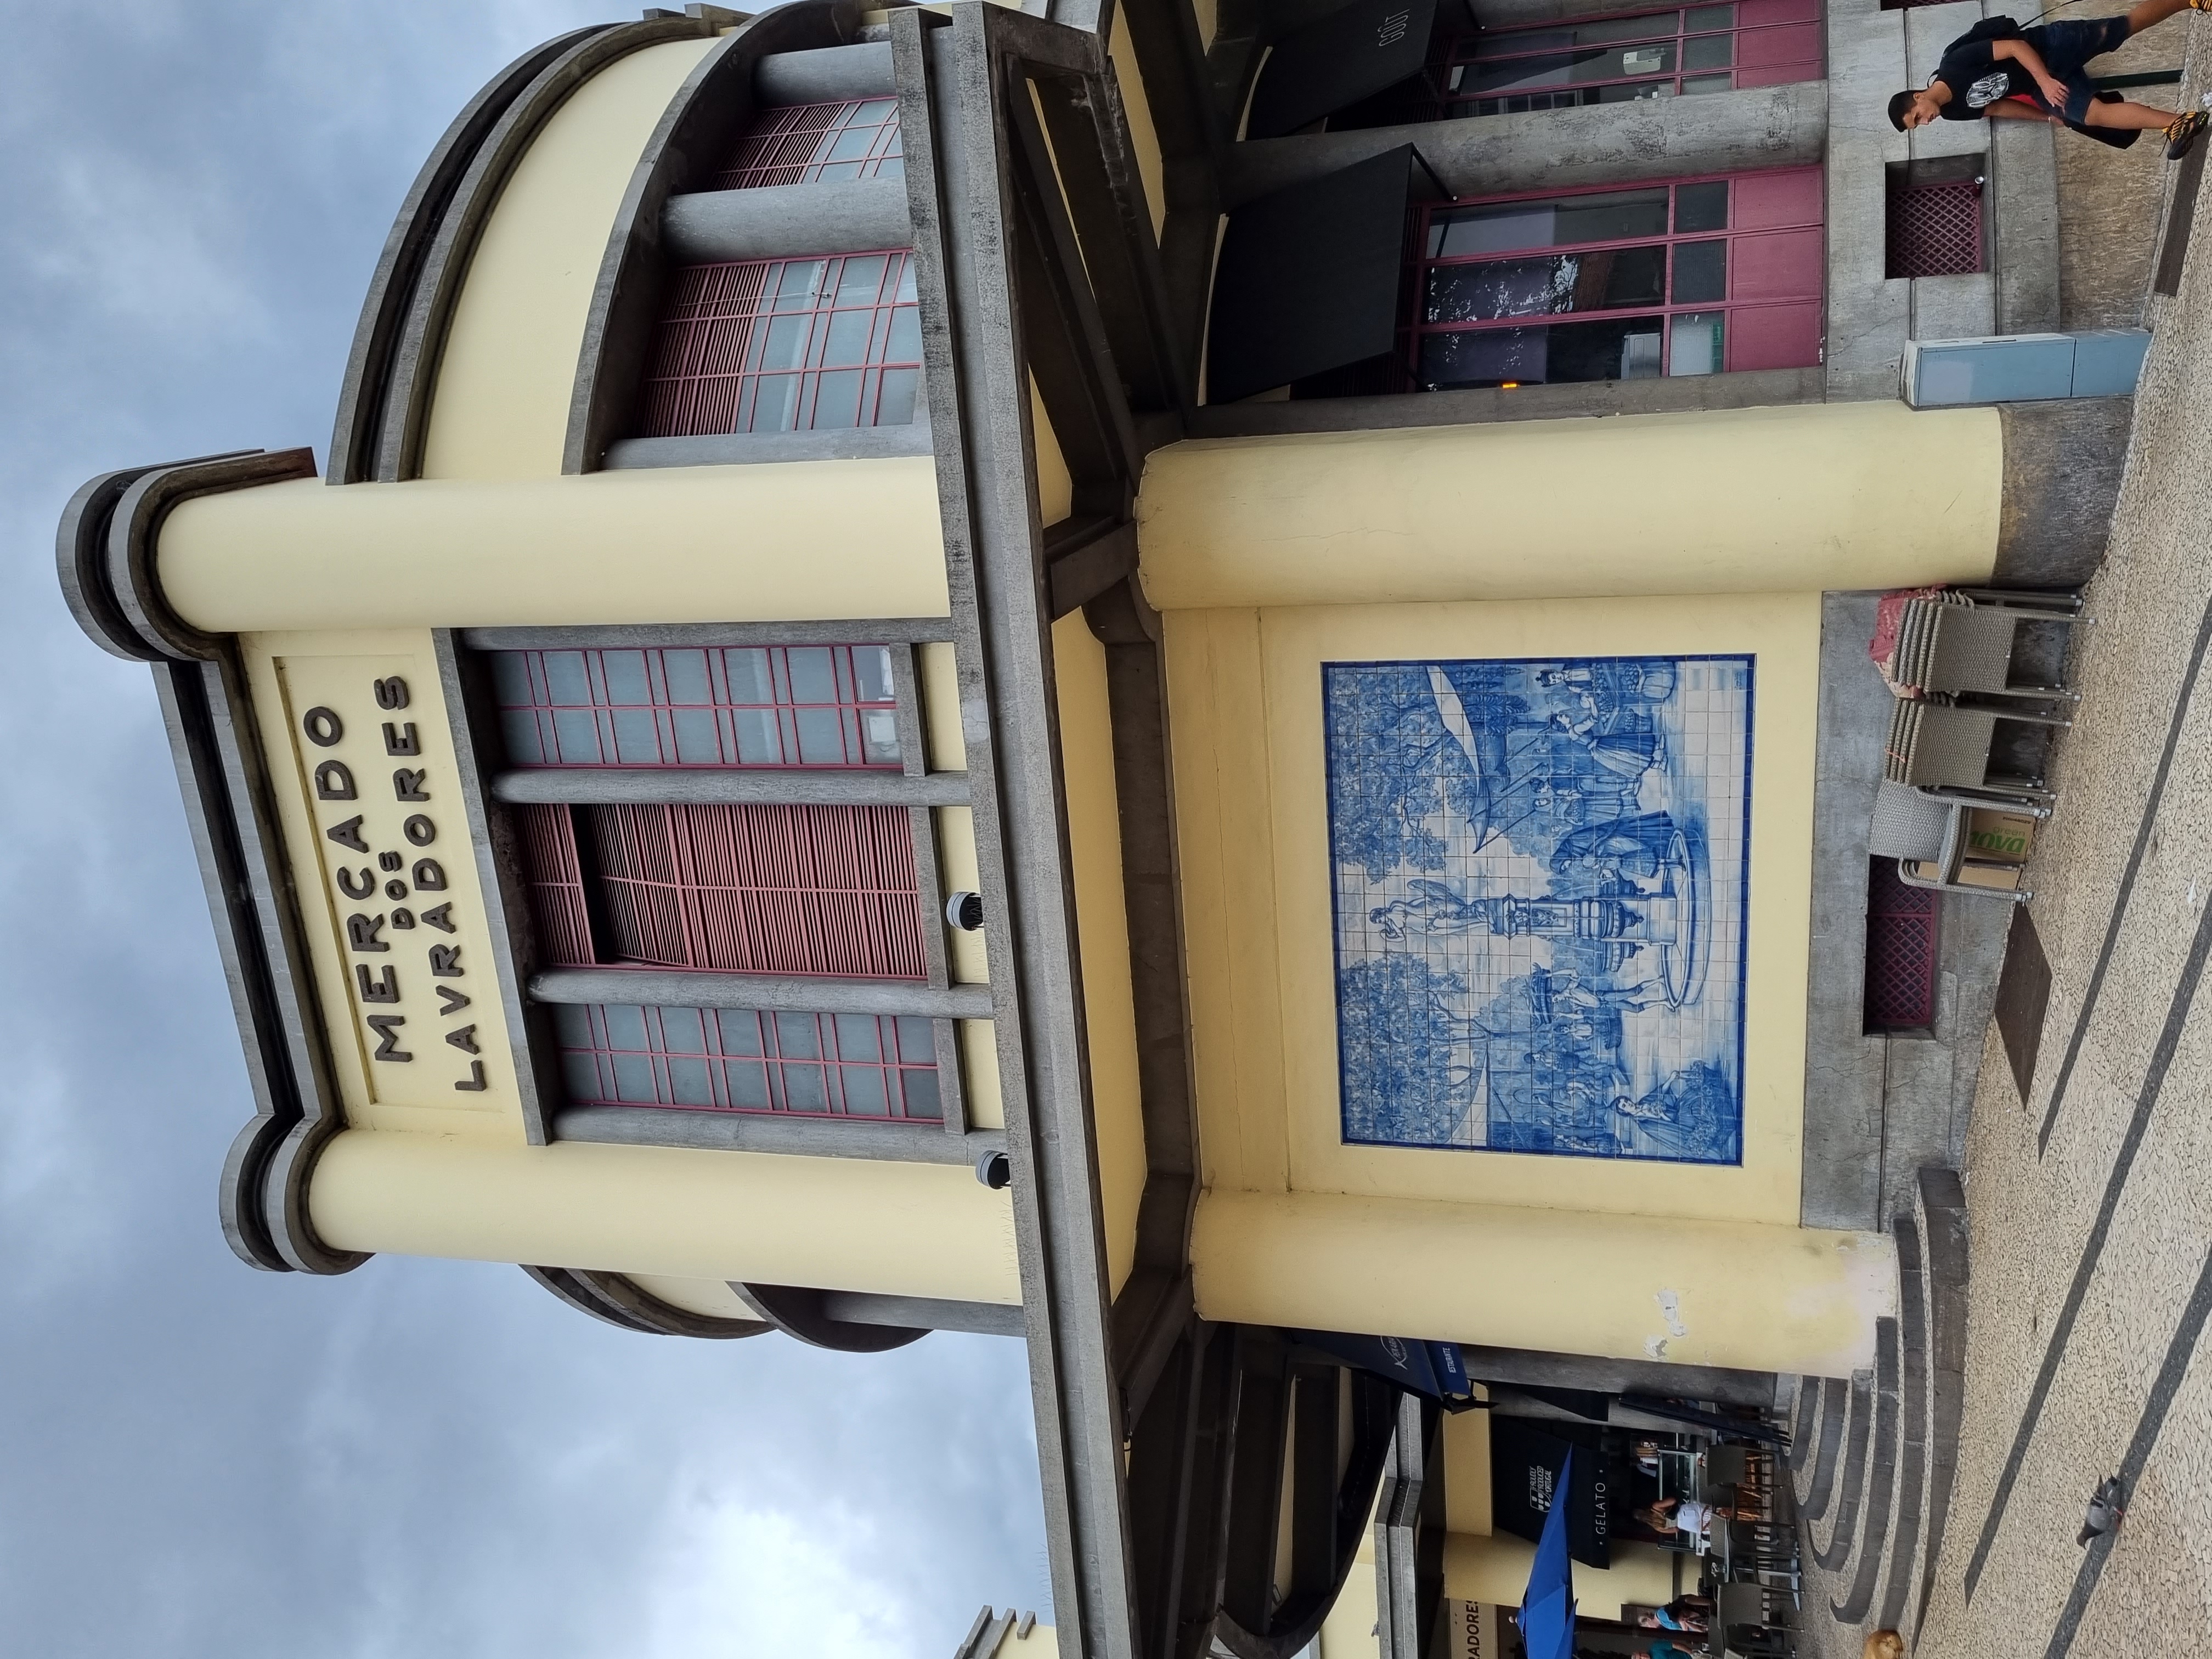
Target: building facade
(1183,684)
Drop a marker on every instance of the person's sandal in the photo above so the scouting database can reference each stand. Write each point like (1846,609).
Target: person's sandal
(2183,131)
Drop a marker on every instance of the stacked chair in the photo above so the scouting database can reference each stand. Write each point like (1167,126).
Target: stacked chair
(1953,669)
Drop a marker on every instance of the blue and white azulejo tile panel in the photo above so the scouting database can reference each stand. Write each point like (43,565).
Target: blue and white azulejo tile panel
(1541,889)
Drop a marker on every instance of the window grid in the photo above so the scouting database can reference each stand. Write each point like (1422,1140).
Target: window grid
(1678,323)
(865,1065)
(1694,50)
(804,143)
(760,890)
(1934,230)
(737,706)
(787,345)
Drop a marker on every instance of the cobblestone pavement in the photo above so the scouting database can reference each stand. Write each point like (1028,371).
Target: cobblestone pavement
(2092,1276)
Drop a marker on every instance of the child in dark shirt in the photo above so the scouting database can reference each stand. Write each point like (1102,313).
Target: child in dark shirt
(2038,75)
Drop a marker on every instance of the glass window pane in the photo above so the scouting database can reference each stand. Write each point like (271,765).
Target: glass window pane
(798,1036)
(1708,52)
(683,1032)
(625,1026)
(849,331)
(871,666)
(1702,18)
(813,675)
(879,736)
(851,145)
(776,404)
(805,1089)
(519,727)
(864,1091)
(573,1025)
(857,1037)
(637,739)
(1701,271)
(1708,84)
(904,345)
(751,679)
(1625,28)
(510,678)
(745,1086)
(860,281)
(1610,279)
(634,1083)
(891,166)
(576,734)
(875,111)
(906,293)
(798,288)
(685,671)
(916,1044)
(836,398)
(697,739)
(1701,206)
(1505,227)
(821,737)
(625,677)
(895,405)
(786,346)
(1627,92)
(831,170)
(759,742)
(687,1084)
(922,1095)
(1617,348)
(566,679)
(1693,346)
(741,1033)
(581,1075)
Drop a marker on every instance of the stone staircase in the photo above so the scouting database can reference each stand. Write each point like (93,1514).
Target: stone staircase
(1872,1460)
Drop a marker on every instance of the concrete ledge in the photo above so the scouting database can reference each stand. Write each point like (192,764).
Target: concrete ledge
(1760,389)
(829,74)
(863,443)
(778,222)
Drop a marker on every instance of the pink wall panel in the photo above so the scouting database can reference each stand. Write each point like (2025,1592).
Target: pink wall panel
(1774,336)
(1784,264)
(1758,49)
(1787,196)
(1751,14)
(1779,76)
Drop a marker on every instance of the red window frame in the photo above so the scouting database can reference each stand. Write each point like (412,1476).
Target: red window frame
(867,1065)
(1756,30)
(787,345)
(827,706)
(806,143)
(1777,289)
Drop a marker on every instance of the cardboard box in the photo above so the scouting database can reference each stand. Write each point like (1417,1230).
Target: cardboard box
(1996,836)
(1997,877)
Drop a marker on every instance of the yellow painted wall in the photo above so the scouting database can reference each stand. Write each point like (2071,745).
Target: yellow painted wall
(1094,836)
(1055,487)
(1750,1296)
(1496,1570)
(705,544)
(290,676)
(1466,1471)
(1251,792)
(839,1224)
(1137,105)
(1800,499)
(1349,1631)
(500,406)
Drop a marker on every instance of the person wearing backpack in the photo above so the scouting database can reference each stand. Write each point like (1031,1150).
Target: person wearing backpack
(1999,69)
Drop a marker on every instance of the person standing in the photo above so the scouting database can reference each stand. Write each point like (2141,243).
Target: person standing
(1999,69)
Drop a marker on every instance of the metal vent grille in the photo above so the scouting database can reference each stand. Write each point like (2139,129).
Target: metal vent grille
(1903,927)
(557,901)
(1935,230)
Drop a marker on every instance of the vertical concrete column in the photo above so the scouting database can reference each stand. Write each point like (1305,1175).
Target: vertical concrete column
(1868,316)
(1747,1295)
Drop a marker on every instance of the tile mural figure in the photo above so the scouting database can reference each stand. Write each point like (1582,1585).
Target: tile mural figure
(1540,881)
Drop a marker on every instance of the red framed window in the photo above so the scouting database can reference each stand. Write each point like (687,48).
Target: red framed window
(706,1060)
(804,143)
(794,705)
(1905,927)
(787,345)
(1661,54)
(1688,277)
(734,889)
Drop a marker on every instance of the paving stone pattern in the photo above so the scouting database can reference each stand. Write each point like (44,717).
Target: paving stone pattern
(2087,1346)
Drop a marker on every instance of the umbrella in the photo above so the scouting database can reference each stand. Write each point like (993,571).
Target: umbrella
(1547,1608)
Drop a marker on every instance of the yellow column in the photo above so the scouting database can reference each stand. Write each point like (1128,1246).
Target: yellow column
(1496,1569)
(1747,1295)
(1800,499)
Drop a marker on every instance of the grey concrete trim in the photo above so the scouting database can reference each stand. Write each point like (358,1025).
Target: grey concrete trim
(616,1299)
(889,1140)
(390,295)
(1756,389)
(81,560)
(418,340)
(2024,190)
(800,1312)
(1532,1369)
(701,123)
(1597,144)
(1834,1396)
(989,1632)
(668,987)
(633,636)
(777,222)
(1845,1069)
(120,580)
(220,771)
(2063,465)
(533,1050)
(691,786)
(1398,1625)
(826,74)
(925,1313)
(976,380)
(1901,1548)
(861,443)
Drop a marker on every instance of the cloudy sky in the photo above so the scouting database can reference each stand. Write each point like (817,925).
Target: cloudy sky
(422,1458)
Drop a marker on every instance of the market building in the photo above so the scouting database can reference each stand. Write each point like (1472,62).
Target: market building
(958,669)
